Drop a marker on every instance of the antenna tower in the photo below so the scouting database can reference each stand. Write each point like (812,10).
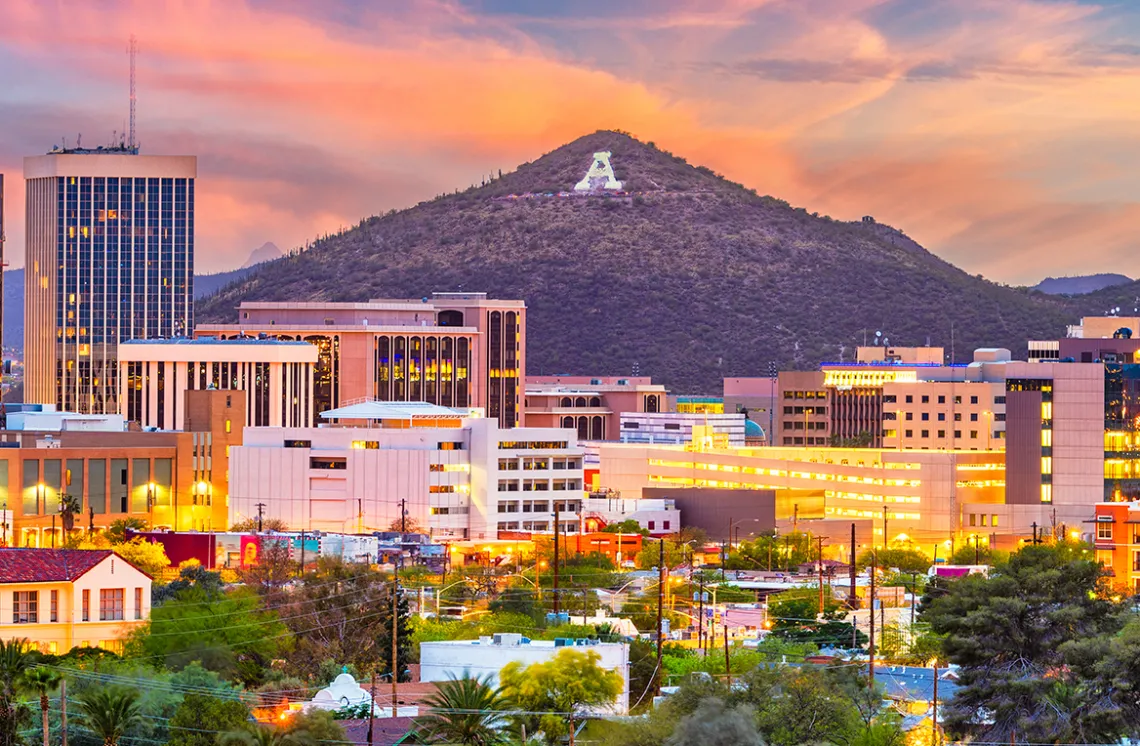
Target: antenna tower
(134,50)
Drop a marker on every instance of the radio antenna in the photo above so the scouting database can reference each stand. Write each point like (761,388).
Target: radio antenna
(132,144)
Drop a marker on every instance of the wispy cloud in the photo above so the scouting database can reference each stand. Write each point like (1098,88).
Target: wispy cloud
(967,123)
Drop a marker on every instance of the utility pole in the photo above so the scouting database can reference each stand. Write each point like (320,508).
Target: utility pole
(63,709)
(871,617)
(885,528)
(854,598)
(934,712)
(701,614)
(260,509)
(727,661)
(977,551)
(819,565)
(372,706)
(557,605)
(395,632)
(913,598)
(660,605)
(403,517)
(301,571)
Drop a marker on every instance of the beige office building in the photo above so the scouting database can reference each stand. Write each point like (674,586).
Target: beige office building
(110,257)
(274,377)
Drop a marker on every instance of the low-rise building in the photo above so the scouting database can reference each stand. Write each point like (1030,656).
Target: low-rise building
(924,496)
(459,476)
(676,428)
(66,598)
(175,480)
(439,661)
(1115,533)
(592,406)
(274,376)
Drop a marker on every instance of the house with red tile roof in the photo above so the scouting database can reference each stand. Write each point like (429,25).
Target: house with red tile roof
(59,599)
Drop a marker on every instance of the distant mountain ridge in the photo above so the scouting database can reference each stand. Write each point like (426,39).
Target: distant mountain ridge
(685,275)
(267,252)
(1080,284)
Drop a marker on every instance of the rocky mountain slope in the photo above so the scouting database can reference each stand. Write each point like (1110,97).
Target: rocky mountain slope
(687,276)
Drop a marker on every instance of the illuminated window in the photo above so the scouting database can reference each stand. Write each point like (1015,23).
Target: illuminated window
(1046,438)
(228,426)
(1046,410)
(1046,464)
(1046,493)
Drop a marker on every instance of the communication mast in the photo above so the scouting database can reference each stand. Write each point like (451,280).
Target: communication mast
(132,144)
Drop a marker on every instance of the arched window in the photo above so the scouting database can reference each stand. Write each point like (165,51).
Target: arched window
(597,429)
(595,401)
(566,402)
(568,422)
(450,318)
(583,428)
(651,404)
(580,401)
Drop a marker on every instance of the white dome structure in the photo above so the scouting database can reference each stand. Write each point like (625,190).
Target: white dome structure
(342,692)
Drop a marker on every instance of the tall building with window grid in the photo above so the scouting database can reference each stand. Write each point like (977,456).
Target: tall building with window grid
(110,257)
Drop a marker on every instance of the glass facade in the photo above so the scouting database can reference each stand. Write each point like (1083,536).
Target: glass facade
(428,368)
(1121,431)
(503,334)
(125,250)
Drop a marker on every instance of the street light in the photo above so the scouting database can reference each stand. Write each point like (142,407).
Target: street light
(150,496)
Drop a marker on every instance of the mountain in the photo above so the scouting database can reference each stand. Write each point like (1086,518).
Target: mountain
(1081,284)
(267,252)
(689,277)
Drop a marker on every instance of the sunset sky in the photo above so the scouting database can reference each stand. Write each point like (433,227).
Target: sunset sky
(1004,135)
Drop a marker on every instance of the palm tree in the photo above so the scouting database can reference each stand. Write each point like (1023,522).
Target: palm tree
(13,660)
(262,736)
(42,680)
(69,507)
(464,711)
(110,713)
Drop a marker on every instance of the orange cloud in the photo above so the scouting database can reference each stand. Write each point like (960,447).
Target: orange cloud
(966,133)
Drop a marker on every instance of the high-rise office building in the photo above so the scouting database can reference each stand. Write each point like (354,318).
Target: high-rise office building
(110,257)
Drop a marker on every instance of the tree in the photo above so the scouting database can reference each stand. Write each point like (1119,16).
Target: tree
(463,711)
(116,533)
(566,683)
(249,525)
(42,681)
(147,556)
(628,526)
(317,726)
(407,525)
(69,507)
(230,633)
(199,716)
(770,551)
(795,617)
(274,568)
(1008,633)
(109,712)
(343,612)
(189,576)
(903,559)
(14,660)
(262,736)
(716,724)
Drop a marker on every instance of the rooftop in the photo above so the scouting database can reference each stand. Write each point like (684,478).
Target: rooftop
(48,565)
(383,410)
(215,341)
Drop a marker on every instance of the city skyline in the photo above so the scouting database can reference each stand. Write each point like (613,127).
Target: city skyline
(998,135)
